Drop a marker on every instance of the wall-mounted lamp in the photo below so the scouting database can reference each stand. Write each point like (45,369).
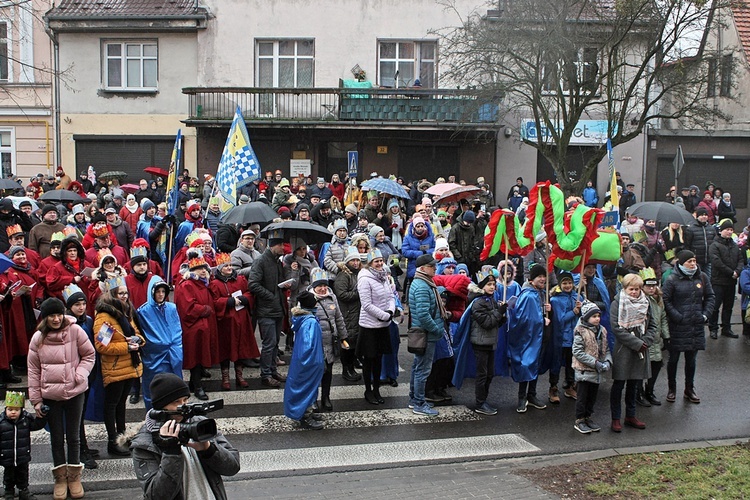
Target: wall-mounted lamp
(508,131)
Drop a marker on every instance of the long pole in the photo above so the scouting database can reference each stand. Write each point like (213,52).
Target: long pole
(169,253)
(580,276)
(505,269)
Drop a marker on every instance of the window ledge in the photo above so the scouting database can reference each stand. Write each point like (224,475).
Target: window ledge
(133,92)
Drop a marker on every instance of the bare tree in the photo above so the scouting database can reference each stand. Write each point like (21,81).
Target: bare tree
(556,62)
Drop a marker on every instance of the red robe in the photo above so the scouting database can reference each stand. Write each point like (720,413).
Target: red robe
(199,330)
(32,256)
(42,270)
(63,274)
(92,254)
(153,267)
(236,335)
(88,238)
(18,317)
(138,289)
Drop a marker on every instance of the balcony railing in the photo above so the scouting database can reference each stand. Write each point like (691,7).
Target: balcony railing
(346,105)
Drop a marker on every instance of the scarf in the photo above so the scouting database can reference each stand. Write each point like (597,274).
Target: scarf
(132,208)
(428,279)
(686,271)
(381,275)
(632,312)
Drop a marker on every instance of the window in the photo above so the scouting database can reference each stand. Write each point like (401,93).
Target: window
(285,63)
(7,152)
(401,64)
(727,66)
(578,71)
(4,66)
(711,77)
(131,65)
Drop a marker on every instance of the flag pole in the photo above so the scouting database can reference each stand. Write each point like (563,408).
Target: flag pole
(580,276)
(505,267)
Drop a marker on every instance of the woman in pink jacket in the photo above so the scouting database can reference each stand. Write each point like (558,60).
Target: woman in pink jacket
(60,359)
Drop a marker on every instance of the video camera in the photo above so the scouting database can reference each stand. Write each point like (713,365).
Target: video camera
(203,430)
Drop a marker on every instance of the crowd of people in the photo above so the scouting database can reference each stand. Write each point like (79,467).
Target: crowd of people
(109,300)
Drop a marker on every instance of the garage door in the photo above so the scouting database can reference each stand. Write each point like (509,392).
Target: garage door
(729,174)
(130,154)
(427,162)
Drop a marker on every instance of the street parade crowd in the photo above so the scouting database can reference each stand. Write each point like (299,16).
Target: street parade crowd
(107,299)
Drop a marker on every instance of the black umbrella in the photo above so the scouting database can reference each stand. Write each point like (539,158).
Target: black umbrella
(113,174)
(661,211)
(256,212)
(9,184)
(307,231)
(61,196)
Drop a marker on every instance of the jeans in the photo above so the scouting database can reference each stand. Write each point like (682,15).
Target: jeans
(586,399)
(64,419)
(115,396)
(725,299)
(420,370)
(270,333)
(16,477)
(485,371)
(674,358)
(615,398)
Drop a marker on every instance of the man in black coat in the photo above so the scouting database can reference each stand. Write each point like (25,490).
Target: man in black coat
(698,238)
(264,280)
(9,216)
(726,264)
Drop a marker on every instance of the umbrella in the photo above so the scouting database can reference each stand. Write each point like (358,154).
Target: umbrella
(307,231)
(439,189)
(61,196)
(661,211)
(18,199)
(457,193)
(256,212)
(158,171)
(113,174)
(9,184)
(5,263)
(130,188)
(383,185)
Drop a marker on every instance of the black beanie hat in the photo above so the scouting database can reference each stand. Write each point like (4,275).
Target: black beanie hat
(51,306)
(307,300)
(165,388)
(137,259)
(48,208)
(73,299)
(536,270)
(99,217)
(684,255)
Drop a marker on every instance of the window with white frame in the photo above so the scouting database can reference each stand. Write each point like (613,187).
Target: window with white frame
(4,54)
(580,70)
(285,63)
(131,65)
(7,152)
(404,63)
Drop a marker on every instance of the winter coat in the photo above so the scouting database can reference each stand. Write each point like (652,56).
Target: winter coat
(236,334)
(13,217)
(117,361)
(243,259)
(15,438)
(335,254)
(627,363)
(301,276)
(264,278)
(200,334)
(487,316)
(124,236)
(424,309)
(726,259)
(138,287)
(376,297)
(160,471)
(386,248)
(64,272)
(345,288)
(41,235)
(564,319)
(745,287)
(60,363)
(662,327)
(332,324)
(589,346)
(92,254)
(462,241)
(687,299)
(19,321)
(227,237)
(130,218)
(415,246)
(698,238)
(590,198)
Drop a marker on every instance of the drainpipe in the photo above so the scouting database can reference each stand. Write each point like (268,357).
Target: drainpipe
(646,129)
(56,98)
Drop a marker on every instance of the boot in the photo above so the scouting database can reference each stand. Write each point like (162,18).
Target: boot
(60,473)
(672,391)
(651,398)
(350,375)
(239,381)
(225,379)
(616,425)
(25,494)
(376,394)
(74,481)
(640,398)
(691,396)
(10,494)
(325,403)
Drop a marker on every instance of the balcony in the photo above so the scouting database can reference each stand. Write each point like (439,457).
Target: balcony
(342,107)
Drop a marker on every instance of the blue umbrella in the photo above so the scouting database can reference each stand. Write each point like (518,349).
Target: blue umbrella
(5,262)
(383,185)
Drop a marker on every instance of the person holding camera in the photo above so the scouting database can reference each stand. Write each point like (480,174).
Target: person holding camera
(170,465)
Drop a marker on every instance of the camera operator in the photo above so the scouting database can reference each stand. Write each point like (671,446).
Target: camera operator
(171,467)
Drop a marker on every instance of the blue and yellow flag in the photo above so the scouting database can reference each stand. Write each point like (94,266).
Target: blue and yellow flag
(238,165)
(174,165)
(613,195)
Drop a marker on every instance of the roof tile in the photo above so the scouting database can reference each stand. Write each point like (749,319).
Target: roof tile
(124,8)
(741,14)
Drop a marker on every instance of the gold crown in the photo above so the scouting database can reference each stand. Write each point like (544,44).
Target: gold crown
(223,258)
(105,252)
(197,262)
(69,231)
(114,283)
(14,399)
(14,229)
(101,231)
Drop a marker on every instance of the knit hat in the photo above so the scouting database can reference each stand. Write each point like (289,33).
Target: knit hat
(700,211)
(318,276)
(167,387)
(374,231)
(72,294)
(536,270)
(445,262)
(320,179)
(307,300)
(726,224)
(425,260)
(15,249)
(684,256)
(469,217)
(351,254)
(588,309)
(392,203)
(99,217)
(564,275)
(351,208)
(48,208)
(441,244)
(417,219)
(131,197)
(51,306)
(146,204)
(6,204)
(707,192)
(284,182)
(540,236)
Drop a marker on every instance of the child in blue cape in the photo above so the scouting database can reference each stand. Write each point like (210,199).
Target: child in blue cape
(566,307)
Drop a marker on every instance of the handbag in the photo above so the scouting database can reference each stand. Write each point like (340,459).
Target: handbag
(416,340)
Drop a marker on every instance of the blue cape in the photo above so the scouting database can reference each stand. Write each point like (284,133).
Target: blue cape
(466,366)
(525,335)
(305,368)
(562,325)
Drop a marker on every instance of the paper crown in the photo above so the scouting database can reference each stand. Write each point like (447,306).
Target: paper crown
(276,234)
(483,276)
(104,253)
(69,231)
(351,254)
(69,291)
(223,259)
(14,229)
(193,238)
(197,262)
(114,283)
(648,276)
(490,269)
(138,252)
(318,276)
(14,399)
(214,200)
(339,224)
(100,231)
(374,254)
(372,194)
(57,237)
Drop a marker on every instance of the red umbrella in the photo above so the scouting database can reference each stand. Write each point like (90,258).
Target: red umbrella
(440,189)
(459,193)
(130,188)
(156,171)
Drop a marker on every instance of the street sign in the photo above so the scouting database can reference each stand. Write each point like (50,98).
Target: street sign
(353,157)
(611,218)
